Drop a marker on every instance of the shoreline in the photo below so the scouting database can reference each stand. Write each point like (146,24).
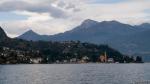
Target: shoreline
(75,63)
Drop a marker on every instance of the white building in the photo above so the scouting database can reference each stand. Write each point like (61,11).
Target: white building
(110,60)
(36,60)
(73,60)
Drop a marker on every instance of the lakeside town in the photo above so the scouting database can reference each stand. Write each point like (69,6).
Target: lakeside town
(11,56)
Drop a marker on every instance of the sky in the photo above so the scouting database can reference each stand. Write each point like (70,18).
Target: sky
(48,17)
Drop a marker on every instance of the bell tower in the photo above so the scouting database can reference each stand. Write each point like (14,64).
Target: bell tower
(105,55)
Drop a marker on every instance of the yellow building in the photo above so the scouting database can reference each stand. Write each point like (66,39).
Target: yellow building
(103,58)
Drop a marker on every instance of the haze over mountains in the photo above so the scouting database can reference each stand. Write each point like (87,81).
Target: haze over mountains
(124,37)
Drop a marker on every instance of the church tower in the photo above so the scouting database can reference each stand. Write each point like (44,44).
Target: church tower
(105,55)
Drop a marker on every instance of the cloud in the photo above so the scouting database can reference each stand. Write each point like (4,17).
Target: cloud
(55,16)
(20,5)
(14,28)
(126,11)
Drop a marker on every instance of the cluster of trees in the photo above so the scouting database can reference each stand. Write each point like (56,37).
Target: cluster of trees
(132,59)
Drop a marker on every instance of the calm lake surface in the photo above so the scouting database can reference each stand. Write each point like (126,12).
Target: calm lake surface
(74,73)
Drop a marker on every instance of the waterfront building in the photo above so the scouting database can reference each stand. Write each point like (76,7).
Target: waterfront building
(103,58)
(85,59)
(35,60)
(110,60)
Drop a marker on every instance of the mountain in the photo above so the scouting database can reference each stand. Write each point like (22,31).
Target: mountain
(88,23)
(2,34)
(99,32)
(124,37)
(17,51)
(138,42)
(31,35)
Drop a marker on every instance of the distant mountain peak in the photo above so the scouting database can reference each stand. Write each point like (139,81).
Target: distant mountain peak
(31,32)
(2,34)
(145,24)
(88,22)
(111,22)
(114,21)
(1,28)
(29,35)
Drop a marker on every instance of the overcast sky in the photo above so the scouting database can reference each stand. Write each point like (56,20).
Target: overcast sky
(55,16)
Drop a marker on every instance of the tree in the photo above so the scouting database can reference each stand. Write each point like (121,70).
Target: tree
(138,59)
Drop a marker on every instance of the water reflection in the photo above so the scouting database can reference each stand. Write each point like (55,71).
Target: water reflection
(74,73)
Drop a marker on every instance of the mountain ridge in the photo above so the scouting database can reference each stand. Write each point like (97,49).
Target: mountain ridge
(31,35)
(124,37)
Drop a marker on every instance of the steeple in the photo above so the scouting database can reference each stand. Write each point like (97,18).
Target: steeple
(105,54)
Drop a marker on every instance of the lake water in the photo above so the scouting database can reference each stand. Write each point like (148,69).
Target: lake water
(74,73)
